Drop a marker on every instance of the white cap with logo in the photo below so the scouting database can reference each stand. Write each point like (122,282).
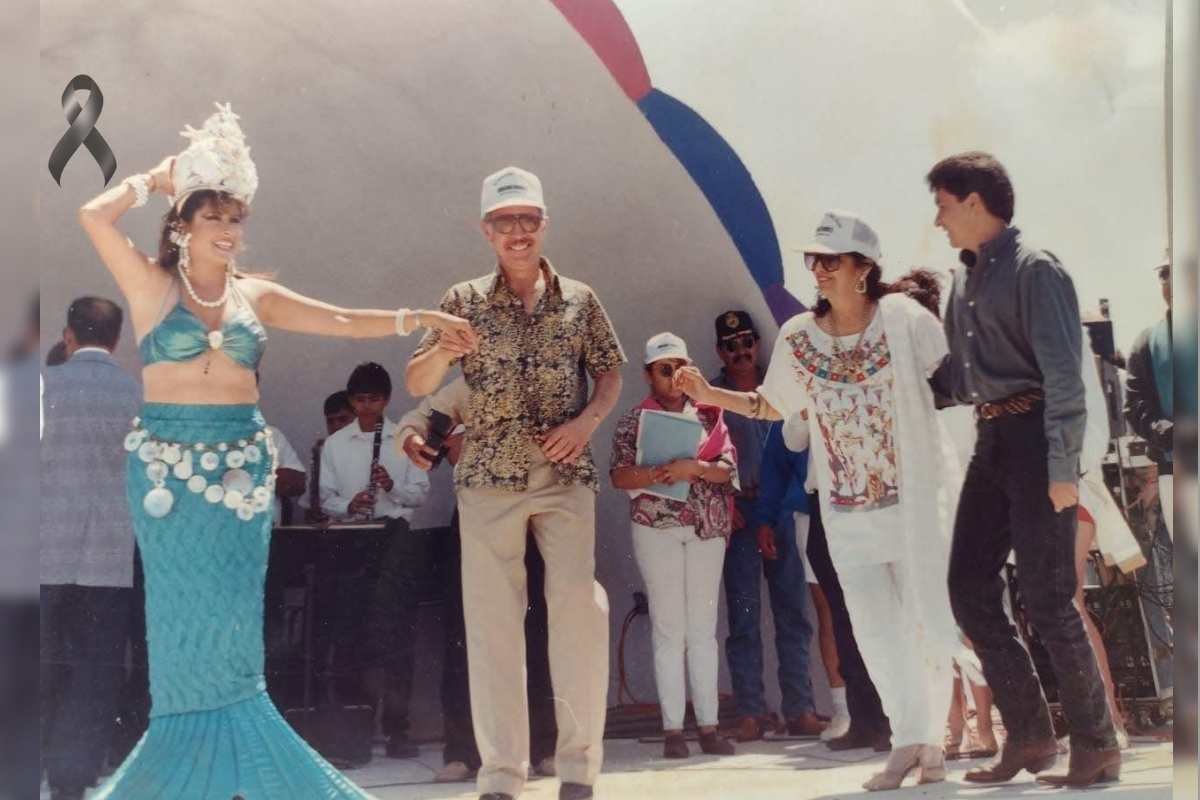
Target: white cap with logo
(665,345)
(511,186)
(844,232)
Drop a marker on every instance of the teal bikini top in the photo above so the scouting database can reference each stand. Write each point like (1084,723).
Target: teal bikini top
(181,336)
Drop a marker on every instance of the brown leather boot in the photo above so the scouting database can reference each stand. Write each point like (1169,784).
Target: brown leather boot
(1088,767)
(1034,757)
(675,746)
(805,724)
(751,729)
(714,745)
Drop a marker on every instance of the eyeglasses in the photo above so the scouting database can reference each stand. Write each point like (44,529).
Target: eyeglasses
(747,341)
(505,223)
(1164,275)
(829,262)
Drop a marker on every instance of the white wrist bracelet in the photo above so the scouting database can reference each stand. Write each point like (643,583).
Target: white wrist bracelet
(402,315)
(140,184)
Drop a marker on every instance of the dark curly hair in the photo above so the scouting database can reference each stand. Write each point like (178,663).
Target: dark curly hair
(876,288)
(924,286)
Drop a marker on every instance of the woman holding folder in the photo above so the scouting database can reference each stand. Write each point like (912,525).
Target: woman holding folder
(680,508)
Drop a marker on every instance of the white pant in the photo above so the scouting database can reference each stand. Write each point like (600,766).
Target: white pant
(915,684)
(683,582)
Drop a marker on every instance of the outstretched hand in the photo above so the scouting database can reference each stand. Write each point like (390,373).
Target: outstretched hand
(692,383)
(458,337)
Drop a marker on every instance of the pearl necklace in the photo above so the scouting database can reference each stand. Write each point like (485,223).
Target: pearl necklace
(220,301)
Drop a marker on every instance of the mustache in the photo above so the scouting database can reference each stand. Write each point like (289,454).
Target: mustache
(742,356)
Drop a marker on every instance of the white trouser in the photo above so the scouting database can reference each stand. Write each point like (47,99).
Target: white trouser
(683,582)
(915,683)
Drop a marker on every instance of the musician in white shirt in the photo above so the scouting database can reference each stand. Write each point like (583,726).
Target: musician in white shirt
(347,455)
(351,488)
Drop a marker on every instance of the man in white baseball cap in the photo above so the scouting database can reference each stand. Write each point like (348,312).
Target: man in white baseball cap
(527,463)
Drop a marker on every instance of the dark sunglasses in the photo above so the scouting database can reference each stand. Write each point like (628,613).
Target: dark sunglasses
(828,262)
(663,370)
(1164,274)
(505,223)
(745,342)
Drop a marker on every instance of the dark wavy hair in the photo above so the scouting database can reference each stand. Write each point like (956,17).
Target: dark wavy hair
(924,286)
(876,288)
(168,251)
(979,172)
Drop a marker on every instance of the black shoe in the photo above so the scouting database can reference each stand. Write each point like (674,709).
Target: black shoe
(857,737)
(402,748)
(495,796)
(574,791)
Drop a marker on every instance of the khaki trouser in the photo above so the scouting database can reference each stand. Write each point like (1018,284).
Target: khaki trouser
(493,524)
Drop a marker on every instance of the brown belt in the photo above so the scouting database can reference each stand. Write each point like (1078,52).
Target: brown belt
(1018,403)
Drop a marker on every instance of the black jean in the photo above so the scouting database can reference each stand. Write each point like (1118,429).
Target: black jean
(456,695)
(862,700)
(1005,508)
(392,617)
(83,665)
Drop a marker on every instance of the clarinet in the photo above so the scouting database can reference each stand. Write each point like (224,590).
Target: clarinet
(314,486)
(373,487)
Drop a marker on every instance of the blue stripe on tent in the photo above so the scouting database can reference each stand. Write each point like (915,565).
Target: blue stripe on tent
(724,180)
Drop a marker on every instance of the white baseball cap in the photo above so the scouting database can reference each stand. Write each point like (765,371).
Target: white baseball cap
(844,232)
(511,186)
(665,345)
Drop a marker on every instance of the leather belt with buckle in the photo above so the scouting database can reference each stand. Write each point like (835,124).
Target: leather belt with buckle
(1019,403)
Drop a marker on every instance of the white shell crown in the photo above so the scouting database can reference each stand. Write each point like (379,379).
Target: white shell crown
(217,159)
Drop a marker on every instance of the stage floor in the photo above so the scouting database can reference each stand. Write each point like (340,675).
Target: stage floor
(787,770)
(793,770)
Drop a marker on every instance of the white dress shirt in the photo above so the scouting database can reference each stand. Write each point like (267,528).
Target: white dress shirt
(346,471)
(287,460)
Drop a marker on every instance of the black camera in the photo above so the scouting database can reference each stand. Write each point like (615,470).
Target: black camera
(440,428)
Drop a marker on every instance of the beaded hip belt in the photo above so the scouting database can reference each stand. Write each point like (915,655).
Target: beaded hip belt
(199,467)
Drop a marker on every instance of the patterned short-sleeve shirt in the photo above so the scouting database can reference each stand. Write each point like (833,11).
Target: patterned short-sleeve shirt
(529,375)
(708,506)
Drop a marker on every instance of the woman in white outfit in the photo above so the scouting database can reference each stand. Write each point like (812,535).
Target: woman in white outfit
(856,368)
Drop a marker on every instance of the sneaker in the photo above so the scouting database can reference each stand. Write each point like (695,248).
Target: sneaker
(454,772)
(838,726)
(805,724)
(546,767)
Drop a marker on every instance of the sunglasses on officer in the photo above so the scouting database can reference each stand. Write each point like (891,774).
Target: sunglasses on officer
(745,341)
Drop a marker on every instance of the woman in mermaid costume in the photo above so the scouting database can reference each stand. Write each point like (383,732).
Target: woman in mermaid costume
(201,477)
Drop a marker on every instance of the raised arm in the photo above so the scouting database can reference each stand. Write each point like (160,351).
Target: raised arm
(133,270)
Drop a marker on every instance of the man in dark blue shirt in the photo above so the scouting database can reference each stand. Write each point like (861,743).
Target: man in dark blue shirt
(1015,338)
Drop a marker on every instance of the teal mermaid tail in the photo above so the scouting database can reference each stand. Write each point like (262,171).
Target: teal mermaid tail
(245,750)
(213,734)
